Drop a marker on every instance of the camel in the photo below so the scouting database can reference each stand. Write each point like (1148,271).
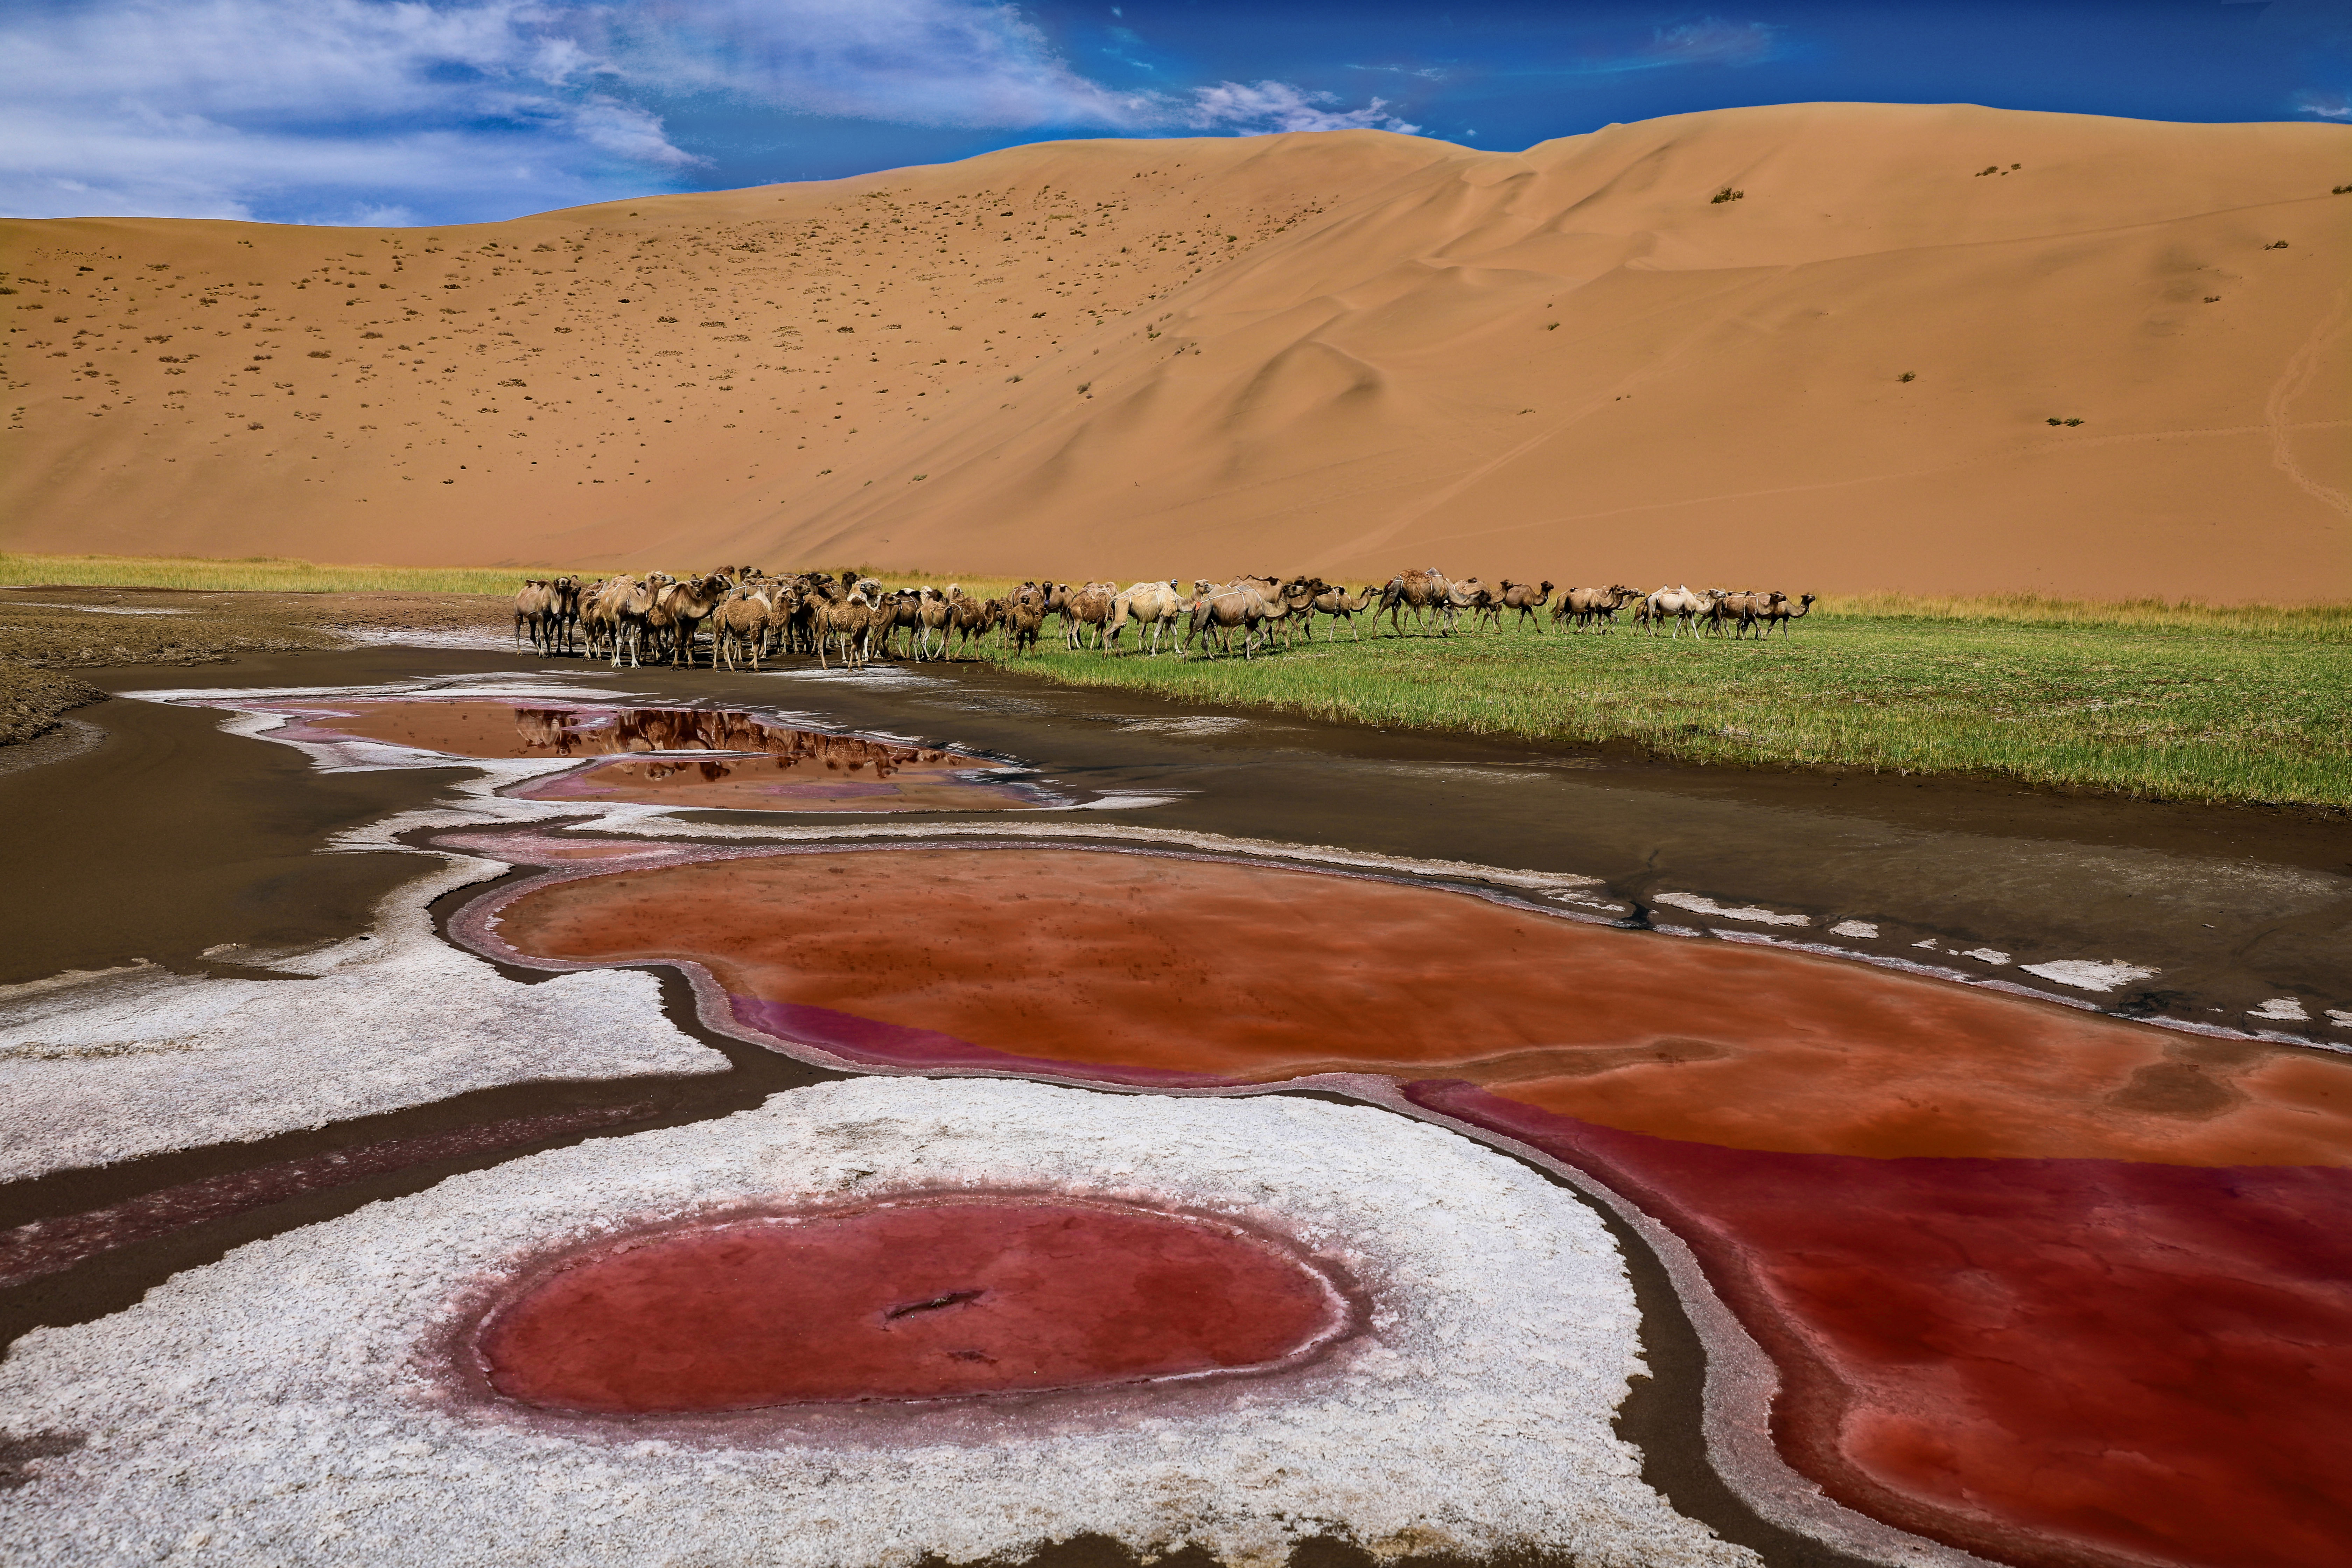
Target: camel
(1743,610)
(970,618)
(844,622)
(1525,597)
(534,603)
(1683,605)
(893,613)
(1159,605)
(1026,619)
(593,623)
(683,607)
(1294,607)
(1784,609)
(1341,606)
(1287,605)
(1221,609)
(1595,608)
(1416,591)
(1468,594)
(1087,607)
(936,612)
(742,621)
(625,607)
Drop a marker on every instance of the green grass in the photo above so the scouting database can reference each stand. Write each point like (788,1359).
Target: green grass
(2165,703)
(278,574)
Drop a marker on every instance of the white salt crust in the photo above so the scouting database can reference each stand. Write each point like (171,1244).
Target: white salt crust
(1699,905)
(107,1067)
(275,1407)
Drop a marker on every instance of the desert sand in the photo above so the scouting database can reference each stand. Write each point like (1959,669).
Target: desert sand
(1345,352)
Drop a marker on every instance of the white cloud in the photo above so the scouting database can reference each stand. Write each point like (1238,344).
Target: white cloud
(1279,105)
(290,109)
(628,132)
(2326,105)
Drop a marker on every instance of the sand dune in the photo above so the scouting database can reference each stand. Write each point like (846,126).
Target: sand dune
(1347,352)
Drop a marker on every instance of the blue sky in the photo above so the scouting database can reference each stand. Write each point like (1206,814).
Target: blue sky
(449,110)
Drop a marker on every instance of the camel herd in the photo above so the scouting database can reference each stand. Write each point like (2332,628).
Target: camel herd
(748,615)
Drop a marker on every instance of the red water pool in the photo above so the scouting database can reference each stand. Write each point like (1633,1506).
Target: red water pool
(927,1299)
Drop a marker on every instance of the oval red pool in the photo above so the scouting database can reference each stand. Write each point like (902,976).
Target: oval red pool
(925,1298)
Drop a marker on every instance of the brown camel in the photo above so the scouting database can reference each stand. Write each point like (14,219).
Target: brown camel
(742,622)
(1594,608)
(1219,610)
(681,608)
(1417,591)
(534,603)
(1527,598)
(1026,619)
(1084,608)
(1341,606)
(1784,609)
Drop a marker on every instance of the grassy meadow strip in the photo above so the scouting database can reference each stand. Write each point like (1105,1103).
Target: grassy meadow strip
(273,575)
(2222,708)
(2320,622)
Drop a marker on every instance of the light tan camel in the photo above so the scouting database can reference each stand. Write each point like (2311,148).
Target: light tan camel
(1159,605)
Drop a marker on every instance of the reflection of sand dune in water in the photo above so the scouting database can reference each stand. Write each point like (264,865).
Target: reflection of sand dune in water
(1982,1237)
(1350,351)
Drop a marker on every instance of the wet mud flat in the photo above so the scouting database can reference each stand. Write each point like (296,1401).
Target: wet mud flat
(1596,964)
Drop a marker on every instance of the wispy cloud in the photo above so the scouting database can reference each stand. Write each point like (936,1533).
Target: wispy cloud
(1279,106)
(303,108)
(2326,105)
(1712,42)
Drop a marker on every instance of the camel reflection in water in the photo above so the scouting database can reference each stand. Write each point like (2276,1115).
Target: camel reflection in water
(820,772)
(572,732)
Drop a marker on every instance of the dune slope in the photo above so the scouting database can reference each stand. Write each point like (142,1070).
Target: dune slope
(1347,352)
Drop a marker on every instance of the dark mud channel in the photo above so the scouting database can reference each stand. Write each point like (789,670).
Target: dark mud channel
(172,842)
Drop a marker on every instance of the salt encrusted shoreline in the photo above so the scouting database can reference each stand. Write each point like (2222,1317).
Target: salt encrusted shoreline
(289,1403)
(112,1066)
